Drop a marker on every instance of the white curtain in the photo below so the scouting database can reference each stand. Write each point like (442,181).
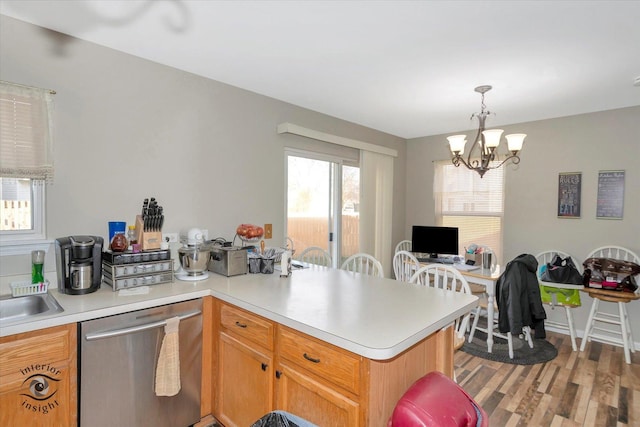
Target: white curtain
(376,206)
(26,123)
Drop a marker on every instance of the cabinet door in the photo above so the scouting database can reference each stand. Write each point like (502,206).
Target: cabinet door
(305,397)
(245,383)
(38,378)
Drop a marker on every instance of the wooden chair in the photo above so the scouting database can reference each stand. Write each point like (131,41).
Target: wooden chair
(404,265)
(315,255)
(481,292)
(363,263)
(448,278)
(550,297)
(620,319)
(404,245)
(493,324)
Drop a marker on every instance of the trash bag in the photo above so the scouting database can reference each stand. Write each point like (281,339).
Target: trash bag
(274,419)
(282,419)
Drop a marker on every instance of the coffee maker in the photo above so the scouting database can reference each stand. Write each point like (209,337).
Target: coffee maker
(79,264)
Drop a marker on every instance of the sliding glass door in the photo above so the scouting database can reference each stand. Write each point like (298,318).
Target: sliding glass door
(322,204)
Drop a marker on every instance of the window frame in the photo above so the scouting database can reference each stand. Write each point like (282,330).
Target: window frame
(18,242)
(27,144)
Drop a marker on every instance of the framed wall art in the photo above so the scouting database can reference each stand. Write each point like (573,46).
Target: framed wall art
(610,195)
(569,194)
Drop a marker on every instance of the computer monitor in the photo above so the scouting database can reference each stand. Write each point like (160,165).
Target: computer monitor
(434,240)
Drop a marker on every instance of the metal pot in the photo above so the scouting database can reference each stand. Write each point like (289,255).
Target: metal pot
(194,259)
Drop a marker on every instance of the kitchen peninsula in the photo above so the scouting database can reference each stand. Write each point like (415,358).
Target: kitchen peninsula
(364,340)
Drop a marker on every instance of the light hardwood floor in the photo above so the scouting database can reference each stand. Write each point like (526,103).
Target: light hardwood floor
(591,388)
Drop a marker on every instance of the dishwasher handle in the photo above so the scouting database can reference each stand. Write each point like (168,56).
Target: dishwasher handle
(132,329)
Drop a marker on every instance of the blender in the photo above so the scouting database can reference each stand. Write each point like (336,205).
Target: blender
(193,255)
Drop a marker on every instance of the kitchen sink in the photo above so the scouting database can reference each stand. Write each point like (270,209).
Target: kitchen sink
(13,309)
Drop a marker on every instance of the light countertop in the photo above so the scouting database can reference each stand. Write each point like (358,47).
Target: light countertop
(375,318)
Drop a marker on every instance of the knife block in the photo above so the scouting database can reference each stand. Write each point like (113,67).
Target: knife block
(148,240)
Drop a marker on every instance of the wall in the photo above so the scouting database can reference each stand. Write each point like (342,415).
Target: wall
(587,143)
(128,128)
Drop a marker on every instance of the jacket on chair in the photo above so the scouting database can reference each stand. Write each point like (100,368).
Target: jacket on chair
(518,297)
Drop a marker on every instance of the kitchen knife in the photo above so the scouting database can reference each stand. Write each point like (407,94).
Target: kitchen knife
(160,218)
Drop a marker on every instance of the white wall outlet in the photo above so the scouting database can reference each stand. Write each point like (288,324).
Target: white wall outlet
(173,237)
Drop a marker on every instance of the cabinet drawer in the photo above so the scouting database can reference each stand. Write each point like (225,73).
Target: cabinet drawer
(23,350)
(324,360)
(247,325)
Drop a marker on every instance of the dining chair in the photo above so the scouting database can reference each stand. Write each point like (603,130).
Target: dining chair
(404,265)
(448,278)
(559,295)
(363,263)
(493,324)
(404,245)
(619,320)
(315,255)
(481,291)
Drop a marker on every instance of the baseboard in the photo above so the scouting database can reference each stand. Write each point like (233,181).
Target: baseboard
(579,334)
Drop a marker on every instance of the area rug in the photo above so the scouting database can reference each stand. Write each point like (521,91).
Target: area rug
(542,351)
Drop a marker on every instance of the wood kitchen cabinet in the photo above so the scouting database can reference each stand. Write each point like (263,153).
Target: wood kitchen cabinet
(245,373)
(263,365)
(318,381)
(38,378)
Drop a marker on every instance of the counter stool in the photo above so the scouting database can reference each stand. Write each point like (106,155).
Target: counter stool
(620,319)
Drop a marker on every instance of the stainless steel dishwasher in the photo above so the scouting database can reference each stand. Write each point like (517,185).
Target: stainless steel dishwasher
(117,364)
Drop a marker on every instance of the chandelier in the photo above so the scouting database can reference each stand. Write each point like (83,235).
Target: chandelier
(486,141)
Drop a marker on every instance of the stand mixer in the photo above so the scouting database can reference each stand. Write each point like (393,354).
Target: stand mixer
(193,255)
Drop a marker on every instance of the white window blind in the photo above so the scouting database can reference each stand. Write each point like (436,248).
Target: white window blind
(26,132)
(475,205)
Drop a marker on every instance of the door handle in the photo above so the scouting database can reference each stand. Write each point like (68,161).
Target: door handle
(138,328)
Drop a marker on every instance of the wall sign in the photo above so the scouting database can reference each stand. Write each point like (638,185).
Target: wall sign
(610,194)
(569,194)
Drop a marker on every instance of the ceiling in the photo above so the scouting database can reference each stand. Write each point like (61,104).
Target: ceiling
(408,68)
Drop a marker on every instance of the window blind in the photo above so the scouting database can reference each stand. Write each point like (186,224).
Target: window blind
(475,205)
(26,146)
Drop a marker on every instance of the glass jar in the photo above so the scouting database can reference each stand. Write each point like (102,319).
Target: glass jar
(119,243)
(132,235)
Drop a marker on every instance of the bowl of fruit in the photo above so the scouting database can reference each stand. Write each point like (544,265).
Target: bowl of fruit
(250,233)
